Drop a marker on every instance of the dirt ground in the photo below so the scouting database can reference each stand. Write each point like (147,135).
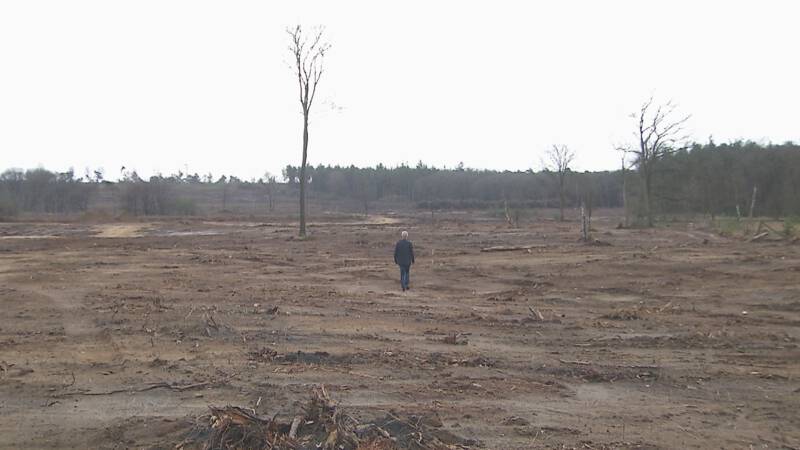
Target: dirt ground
(119,335)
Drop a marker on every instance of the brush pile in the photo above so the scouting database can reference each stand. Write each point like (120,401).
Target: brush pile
(322,425)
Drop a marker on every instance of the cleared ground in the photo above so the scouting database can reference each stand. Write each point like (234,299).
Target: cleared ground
(666,338)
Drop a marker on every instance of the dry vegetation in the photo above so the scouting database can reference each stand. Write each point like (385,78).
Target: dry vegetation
(199,334)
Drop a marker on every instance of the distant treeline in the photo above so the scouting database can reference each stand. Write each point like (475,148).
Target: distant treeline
(39,190)
(42,191)
(716,179)
(706,178)
(459,188)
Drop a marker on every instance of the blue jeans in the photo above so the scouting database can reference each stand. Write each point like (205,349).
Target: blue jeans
(405,276)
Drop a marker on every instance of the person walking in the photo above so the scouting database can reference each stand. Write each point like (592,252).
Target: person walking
(404,257)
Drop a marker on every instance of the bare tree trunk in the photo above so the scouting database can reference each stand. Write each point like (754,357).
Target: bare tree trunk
(560,158)
(561,198)
(658,137)
(753,201)
(625,195)
(303,176)
(589,203)
(646,197)
(308,55)
(584,224)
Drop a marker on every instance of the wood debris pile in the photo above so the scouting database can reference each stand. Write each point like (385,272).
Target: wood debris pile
(322,425)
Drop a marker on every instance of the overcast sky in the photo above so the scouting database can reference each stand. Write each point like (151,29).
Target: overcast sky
(166,85)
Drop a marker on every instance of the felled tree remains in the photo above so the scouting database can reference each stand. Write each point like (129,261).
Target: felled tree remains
(322,425)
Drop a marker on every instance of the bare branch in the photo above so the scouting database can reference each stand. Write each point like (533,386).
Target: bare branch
(308,58)
(658,135)
(560,159)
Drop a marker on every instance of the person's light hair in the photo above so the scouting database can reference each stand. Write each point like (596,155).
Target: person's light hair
(404,234)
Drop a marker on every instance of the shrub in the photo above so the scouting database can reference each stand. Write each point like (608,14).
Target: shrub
(728,226)
(790,225)
(183,207)
(8,207)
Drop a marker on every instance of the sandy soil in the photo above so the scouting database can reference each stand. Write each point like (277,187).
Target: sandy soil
(667,338)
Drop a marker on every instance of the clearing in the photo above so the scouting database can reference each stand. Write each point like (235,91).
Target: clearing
(121,335)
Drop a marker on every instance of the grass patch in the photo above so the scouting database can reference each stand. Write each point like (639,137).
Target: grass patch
(791,226)
(729,226)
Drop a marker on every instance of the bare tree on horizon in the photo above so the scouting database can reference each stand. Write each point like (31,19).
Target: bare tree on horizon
(658,136)
(308,55)
(558,160)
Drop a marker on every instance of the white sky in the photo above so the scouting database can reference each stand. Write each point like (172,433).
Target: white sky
(165,85)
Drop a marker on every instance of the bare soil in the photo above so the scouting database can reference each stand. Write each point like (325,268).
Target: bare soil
(119,335)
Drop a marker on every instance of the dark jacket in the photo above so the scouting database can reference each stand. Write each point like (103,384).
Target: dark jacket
(404,253)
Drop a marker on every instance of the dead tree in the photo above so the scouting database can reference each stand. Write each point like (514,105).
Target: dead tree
(658,135)
(365,191)
(308,55)
(558,160)
(625,192)
(585,223)
(271,186)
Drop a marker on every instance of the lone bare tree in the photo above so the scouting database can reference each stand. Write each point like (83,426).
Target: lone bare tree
(270,182)
(308,54)
(659,135)
(625,191)
(558,160)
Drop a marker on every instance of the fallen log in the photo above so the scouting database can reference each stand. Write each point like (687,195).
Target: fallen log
(295,426)
(509,248)
(621,366)
(759,236)
(665,307)
(455,339)
(638,366)
(536,314)
(579,363)
(769,228)
(174,387)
